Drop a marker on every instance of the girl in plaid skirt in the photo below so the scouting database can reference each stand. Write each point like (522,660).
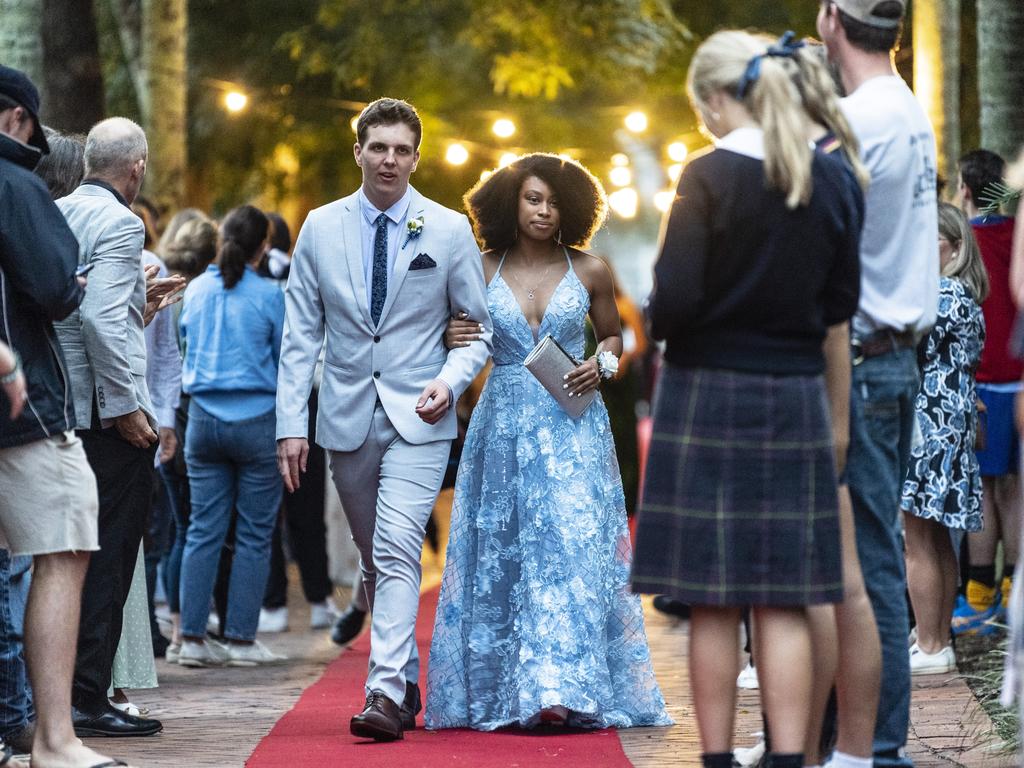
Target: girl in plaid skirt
(758,261)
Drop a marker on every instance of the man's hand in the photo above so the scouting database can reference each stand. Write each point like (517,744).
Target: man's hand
(168,444)
(16,390)
(292,455)
(434,401)
(134,427)
(462,331)
(161,292)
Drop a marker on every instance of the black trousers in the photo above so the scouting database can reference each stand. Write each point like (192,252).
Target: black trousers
(302,513)
(124,479)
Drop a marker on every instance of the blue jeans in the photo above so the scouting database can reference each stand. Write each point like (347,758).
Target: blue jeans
(882,396)
(231,465)
(15,693)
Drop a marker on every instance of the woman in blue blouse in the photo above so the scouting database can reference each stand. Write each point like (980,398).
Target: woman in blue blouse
(231,327)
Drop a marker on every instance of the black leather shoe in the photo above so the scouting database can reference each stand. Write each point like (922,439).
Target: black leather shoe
(671,606)
(380,720)
(348,626)
(411,706)
(111,721)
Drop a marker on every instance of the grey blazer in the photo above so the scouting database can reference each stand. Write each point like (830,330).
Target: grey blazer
(103,339)
(394,361)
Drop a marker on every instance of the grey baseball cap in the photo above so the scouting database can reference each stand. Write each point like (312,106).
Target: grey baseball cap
(864,12)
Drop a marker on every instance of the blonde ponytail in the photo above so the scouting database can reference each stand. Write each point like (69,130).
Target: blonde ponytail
(774,102)
(726,62)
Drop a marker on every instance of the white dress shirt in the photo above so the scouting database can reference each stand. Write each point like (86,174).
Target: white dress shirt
(368,229)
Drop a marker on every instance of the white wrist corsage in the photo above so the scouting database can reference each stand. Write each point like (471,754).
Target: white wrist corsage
(413,227)
(607,364)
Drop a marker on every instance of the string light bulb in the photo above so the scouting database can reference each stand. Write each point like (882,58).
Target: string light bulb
(674,171)
(354,123)
(621,176)
(235,101)
(503,128)
(456,154)
(624,202)
(677,151)
(636,121)
(507,159)
(620,159)
(663,199)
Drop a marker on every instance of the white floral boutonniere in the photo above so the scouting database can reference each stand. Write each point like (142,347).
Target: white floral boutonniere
(413,228)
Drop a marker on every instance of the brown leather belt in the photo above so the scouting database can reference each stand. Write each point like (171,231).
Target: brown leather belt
(880,343)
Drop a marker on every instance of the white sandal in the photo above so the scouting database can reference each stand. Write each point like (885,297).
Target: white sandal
(129,709)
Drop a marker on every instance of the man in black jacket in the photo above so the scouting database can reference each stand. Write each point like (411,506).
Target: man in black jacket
(48,503)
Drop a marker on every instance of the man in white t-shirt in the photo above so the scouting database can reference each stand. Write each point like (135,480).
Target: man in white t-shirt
(899,296)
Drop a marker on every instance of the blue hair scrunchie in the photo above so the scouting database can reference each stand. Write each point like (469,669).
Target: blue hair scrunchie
(786,47)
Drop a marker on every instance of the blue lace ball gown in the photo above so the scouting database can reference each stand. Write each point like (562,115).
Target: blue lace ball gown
(535,609)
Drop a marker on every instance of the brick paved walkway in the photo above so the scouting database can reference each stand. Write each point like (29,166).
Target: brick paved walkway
(216,717)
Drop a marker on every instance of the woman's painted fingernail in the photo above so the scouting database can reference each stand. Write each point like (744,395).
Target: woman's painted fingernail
(481,327)
(565,386)
(566,377)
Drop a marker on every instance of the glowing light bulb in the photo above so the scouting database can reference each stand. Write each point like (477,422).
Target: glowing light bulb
(503,128)
(456,154)
(624,202)
(677,151)
(636,122)
(673,172)
(620,159)
(354,123)
(507,159)
(235,101)
(621,176)
(663,200)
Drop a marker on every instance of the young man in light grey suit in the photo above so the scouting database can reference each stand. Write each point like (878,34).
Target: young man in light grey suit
(105,350)
(379,273)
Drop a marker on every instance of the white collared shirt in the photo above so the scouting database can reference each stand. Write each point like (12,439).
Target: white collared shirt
(368,230)
(747,140)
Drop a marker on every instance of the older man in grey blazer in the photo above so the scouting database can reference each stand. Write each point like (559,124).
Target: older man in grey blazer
(379,273)
(105,350)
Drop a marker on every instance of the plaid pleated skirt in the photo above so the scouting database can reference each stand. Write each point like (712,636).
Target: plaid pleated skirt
(740,503)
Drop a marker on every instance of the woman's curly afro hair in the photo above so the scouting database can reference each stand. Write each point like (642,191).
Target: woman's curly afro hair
(493,203)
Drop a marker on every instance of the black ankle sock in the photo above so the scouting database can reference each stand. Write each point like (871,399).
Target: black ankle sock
(717,759)
(776,760)
(983,574)
(1007,571)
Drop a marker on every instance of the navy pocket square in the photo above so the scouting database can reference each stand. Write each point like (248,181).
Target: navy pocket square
(422,262)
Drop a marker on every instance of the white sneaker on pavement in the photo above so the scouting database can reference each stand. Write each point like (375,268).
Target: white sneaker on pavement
(922,663)
(204,654)
(240,655)
(273,620)
(171,655)
(323,615)
(747,678)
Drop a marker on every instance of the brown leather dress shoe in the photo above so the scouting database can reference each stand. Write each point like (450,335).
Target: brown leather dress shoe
(380,720)
(411,706)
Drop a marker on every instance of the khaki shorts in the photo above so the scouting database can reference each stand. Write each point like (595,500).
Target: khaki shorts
(48,500)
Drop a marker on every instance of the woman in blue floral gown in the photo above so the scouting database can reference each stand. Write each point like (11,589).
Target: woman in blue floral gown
(535,622)
(943,485)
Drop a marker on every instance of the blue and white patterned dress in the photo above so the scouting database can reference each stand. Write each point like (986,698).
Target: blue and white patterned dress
(943,482)
(535,609)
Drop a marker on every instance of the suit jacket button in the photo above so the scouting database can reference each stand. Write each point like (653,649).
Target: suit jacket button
(376,374)
(376,339)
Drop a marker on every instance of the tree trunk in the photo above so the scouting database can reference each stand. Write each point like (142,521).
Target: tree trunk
(936,35)
(71,66)
(21,37)
(1000,76)
(163,99)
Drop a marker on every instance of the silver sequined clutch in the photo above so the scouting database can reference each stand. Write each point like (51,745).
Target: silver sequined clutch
(549,363)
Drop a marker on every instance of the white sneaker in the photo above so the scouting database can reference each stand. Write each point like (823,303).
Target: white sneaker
(273,619)
(240,655)
(912,638)
(922,663)
(204,654)
(323,615)
(173,650)
(747,678)
(748,758)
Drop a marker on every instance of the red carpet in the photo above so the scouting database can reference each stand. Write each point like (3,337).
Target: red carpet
(315,731)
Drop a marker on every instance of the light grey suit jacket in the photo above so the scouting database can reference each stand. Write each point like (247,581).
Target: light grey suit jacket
(103,339)
(394,361)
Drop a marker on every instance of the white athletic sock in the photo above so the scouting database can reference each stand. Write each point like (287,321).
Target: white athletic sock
(843,760)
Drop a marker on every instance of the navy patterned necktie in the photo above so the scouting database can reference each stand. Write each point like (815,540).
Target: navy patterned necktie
(379,291)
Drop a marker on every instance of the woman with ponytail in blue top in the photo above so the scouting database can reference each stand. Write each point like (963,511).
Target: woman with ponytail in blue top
(231,327)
